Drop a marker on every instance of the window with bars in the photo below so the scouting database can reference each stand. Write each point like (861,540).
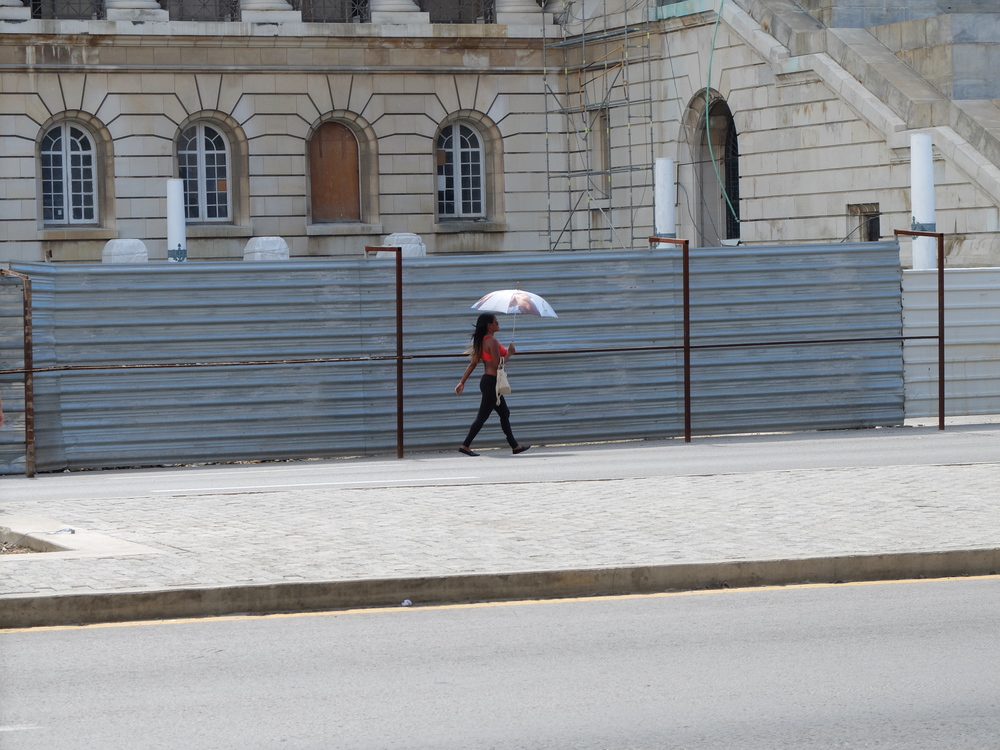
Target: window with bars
(69,176)
(460,11)
(334,11)
(203,164)
(460,173)
(85,10)
(319,11)
(202,10)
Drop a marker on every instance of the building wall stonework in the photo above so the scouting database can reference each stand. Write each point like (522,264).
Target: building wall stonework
(269,101)
(814,141)
(817,134)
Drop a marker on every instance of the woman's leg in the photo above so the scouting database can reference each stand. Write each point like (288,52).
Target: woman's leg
(504,411)
(488,386)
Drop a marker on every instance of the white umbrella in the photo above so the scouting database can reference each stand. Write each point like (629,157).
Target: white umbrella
(513,302)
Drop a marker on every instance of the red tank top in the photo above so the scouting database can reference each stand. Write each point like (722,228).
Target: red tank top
(486,355)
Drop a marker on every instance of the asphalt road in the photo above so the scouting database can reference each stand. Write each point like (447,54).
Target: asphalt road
(899,665)
(902,446)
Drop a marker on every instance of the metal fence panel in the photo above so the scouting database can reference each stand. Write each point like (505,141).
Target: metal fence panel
(12,446)
(178,315)
(972,341)
(847,295)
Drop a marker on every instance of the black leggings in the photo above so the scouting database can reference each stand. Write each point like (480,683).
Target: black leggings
(488,386)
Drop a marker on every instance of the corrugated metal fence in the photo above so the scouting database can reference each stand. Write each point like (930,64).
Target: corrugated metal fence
(296,359)
(12,442)
(972,341)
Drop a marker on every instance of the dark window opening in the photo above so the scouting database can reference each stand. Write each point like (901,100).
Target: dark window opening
(866,222)
(732,182)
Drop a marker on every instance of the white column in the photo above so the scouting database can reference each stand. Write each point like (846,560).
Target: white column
(398,12)
(135,10)
(922,200)
(14,10)
(176,223)
(519,12)
(665,197)
(268,11)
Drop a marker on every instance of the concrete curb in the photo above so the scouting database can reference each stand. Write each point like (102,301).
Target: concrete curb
(33,610)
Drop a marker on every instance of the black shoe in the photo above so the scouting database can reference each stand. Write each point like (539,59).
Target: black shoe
(467,451)
(521,449)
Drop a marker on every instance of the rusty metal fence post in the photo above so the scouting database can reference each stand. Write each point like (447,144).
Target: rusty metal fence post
(399,339)
(29,373)
(940,312)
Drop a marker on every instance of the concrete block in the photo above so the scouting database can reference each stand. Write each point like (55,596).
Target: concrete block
(124,251)
(412,244)
(265,249)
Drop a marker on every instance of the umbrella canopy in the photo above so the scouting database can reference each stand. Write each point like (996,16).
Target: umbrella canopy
(514,302)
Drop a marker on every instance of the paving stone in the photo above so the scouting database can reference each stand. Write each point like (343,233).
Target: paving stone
(313,534)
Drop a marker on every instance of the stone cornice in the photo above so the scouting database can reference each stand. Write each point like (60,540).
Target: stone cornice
(262,32)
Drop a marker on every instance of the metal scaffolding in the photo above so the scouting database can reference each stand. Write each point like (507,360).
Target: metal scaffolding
(599,126)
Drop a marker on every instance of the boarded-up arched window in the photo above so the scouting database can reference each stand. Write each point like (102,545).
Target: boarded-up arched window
(335,178)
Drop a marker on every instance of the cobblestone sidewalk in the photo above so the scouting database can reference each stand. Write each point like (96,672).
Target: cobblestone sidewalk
(330,534)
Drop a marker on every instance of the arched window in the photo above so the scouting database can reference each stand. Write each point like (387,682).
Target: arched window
(69,176)
(203,164)
(460,173)
(335,174)
(719,176)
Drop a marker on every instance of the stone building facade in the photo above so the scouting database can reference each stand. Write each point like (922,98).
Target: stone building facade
(522,128)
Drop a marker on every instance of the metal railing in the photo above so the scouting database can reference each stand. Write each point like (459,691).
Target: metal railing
(460,11)
(334,11)
(84,10)
(313,11)
(202,10)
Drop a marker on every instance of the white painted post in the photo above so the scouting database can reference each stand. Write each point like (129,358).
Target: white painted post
(176,223)
(664,197)
(922,201)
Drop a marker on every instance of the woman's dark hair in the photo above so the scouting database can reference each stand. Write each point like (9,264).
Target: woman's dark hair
(482,329)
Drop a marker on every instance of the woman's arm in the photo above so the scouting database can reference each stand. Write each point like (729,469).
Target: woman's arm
(465,375)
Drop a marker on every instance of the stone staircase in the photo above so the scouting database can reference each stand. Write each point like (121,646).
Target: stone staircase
(919,70)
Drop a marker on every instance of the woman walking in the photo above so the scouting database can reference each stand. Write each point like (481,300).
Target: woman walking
(486,349)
